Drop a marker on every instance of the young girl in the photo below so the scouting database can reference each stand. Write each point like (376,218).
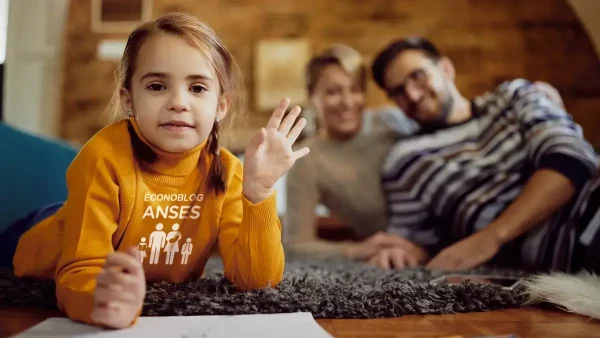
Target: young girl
(157,173)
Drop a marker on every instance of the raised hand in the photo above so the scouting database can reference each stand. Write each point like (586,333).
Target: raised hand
(120,290)
(269,154)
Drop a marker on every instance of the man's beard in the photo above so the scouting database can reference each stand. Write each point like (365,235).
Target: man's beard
(447,104)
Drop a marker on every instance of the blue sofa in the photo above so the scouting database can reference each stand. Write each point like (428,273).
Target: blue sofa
(32,172)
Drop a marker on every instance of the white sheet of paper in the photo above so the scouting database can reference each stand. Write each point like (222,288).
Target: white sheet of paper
(292,325)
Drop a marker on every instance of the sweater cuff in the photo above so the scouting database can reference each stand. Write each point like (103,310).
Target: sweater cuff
(568,166)
(261,216)
(77,305)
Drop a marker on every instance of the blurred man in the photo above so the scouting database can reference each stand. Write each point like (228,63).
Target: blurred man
(506,177)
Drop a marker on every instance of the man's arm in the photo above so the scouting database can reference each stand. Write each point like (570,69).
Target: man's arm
(531,208)
(562,159)
(563,163)
(544,194)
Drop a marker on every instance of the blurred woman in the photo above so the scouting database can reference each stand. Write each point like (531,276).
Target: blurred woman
(342,172)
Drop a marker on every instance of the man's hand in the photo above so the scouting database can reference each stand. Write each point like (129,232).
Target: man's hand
(551,92)
(397,258)
(120,290)
(468,253)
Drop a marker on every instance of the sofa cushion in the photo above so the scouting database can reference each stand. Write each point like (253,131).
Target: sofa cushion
(32,172)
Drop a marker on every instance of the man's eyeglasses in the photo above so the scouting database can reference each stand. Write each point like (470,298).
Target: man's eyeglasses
(417,78)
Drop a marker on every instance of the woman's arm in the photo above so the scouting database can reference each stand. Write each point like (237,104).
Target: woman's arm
(303,196)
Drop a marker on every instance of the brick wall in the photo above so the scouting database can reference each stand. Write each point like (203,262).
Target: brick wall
(488,40)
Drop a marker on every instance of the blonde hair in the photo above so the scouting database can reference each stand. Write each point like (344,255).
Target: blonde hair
(345,56)
(202,36)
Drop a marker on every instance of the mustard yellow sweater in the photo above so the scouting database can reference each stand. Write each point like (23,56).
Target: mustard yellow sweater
(116,202)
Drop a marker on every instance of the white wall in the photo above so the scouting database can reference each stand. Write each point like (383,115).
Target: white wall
(3,28)
(32,81)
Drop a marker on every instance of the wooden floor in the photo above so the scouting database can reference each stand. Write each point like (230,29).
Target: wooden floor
(522,322)
(532,322)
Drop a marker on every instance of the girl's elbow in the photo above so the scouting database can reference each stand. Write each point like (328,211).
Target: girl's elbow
(259,284)
(262,279)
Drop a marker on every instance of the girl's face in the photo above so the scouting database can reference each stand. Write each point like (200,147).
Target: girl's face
(174,94)
(339,102)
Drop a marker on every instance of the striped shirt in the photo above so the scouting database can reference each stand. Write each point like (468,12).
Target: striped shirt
(441,186)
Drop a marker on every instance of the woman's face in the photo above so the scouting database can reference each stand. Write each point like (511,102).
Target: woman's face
(339,102)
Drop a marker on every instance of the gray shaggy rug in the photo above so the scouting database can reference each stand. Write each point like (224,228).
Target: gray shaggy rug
(331,288)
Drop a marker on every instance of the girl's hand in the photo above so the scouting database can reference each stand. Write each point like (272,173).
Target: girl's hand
(120,290)
(269,154)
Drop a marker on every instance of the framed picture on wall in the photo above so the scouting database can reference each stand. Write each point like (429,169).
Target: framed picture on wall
(118,16)
(279,71)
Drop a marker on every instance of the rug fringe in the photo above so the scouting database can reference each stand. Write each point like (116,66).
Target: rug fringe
(578,293)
